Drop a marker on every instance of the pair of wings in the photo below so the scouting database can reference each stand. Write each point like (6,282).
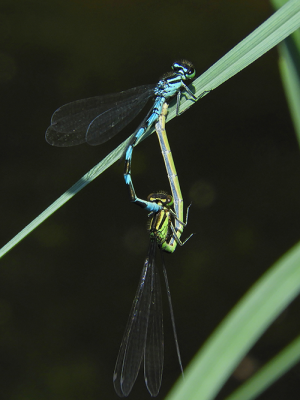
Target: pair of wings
(96,119)
(143,337)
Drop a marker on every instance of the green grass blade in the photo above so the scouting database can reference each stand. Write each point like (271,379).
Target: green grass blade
(275,29)
(86,179)
(289,63)
(269,373)
(289,66)
(222,352)
(289,71)
(269,34)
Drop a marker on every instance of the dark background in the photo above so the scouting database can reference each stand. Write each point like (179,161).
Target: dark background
(66,290)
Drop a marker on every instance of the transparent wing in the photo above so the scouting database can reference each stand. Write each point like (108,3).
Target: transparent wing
(172,314)
(96,119)
(154,350)
(133,343)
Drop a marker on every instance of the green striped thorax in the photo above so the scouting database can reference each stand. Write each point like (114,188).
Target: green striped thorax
(159,222)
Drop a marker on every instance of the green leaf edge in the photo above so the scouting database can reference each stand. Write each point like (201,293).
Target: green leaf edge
(237,333)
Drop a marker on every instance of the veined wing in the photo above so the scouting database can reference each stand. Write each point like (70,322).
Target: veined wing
(172,313)
(154,349)
(133,343)
(96,119)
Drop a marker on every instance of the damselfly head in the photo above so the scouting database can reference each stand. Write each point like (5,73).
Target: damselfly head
(184,68)
(161,198)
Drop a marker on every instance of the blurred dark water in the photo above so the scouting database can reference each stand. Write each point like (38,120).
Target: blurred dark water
(66,290)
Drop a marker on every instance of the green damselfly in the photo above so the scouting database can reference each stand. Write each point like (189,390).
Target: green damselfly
(143,338)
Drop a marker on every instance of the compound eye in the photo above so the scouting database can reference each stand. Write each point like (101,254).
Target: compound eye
(169,200)
(191,73)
